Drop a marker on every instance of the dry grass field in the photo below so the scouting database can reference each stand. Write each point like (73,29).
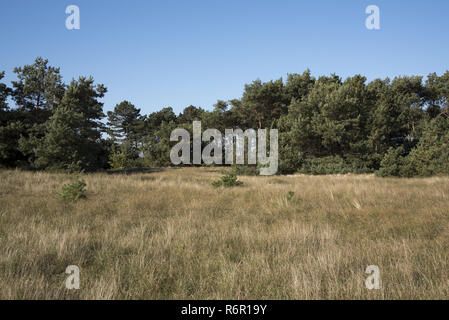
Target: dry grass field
(171,235)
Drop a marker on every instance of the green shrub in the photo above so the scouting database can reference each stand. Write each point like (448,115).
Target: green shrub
(431,155)
(290,195)
(74,190)
(228,180)
(121,161)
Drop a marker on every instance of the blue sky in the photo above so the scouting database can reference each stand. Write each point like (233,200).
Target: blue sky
(177,53)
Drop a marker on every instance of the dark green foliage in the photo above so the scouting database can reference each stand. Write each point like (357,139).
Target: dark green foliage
(155,120)
(39,87)
(190,114)
(342,127)
(71,137)
(228,180)
(326,125)
(126,126)
(393,163)
(157,146)
(53,126)
(37,93)
(120,160)
(74,190)
(8,135)
(262,103)
(430,157)
(4,93)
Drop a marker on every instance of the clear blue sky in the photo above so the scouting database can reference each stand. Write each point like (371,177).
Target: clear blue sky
(176,53)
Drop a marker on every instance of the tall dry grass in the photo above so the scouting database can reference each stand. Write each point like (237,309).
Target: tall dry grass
(171,235)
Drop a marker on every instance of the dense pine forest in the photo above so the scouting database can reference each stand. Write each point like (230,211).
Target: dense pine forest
(326,125)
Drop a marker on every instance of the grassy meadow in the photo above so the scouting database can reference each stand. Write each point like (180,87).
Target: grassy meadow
(171,235)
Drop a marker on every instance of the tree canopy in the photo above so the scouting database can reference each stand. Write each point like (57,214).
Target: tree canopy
(396,127)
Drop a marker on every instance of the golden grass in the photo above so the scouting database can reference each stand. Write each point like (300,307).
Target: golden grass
(171,235)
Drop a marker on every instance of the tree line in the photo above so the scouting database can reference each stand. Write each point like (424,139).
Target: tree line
(326,125)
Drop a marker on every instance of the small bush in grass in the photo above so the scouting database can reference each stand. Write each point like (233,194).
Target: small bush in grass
(293,199)
(228,180)
(74,190)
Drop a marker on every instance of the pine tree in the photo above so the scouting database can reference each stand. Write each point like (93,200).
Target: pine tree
(37,93)
(72,139)
(126,125)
